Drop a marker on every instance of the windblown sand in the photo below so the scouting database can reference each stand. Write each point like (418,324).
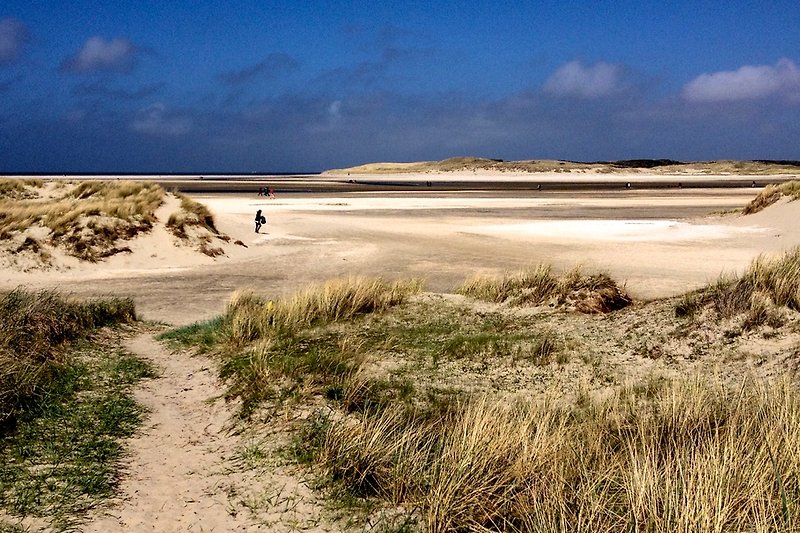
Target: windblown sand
(660,243)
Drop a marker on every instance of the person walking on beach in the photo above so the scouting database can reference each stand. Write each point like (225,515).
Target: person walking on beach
(260,219)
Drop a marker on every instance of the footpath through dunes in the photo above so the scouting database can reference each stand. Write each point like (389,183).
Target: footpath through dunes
(188,470)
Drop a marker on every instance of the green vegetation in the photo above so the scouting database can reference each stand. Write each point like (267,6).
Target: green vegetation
(446,415)
(771,194)
(33,330)
(65,391)
(274,349)
(87,219)
(595,293)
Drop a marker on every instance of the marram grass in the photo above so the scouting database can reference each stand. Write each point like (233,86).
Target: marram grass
(770,283)
(592,293)
(265,346)
(87,219)
(251,317)
(692,458)
(771,194)
(34,326)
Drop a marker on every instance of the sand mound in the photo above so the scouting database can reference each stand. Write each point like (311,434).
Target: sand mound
(65,225)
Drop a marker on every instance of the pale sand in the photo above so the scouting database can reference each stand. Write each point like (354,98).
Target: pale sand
(184,470)
(181,475)
(660,243)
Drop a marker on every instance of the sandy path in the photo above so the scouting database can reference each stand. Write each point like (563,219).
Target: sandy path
(183,474)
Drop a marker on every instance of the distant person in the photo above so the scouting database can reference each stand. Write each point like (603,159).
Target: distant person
(260,220)
(271,193)
(754,184)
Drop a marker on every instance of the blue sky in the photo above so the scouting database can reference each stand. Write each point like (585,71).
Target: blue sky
(246,86)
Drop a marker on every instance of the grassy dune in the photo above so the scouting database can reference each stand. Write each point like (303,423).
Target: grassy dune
(86,219)
(425,420)
(195,224)
(65,406)
(92,220)
(768,285)
(771,194)
(468,164)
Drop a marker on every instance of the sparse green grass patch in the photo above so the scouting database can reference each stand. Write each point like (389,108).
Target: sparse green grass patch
(202,336)
(67,403)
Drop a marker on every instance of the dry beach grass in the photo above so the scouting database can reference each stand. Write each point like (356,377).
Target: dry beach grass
(542,398)
(682,454)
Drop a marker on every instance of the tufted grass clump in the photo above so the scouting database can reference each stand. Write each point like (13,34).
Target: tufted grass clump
(251,317)
(769,283)
(592,293)
(271,348)
(771,194)
(34,328)
(693,457)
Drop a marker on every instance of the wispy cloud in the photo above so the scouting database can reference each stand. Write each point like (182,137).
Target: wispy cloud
(586,81)
(159,121)
(100,55)
(101,89)
(746,83)
(269,67)
(13,36)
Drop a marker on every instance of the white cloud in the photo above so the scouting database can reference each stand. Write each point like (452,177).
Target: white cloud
(97,54)
(157,120)
(586,81)
(747,83)
(13,35)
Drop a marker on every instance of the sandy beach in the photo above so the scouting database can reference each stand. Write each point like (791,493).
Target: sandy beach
(660,242)
(657,240)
